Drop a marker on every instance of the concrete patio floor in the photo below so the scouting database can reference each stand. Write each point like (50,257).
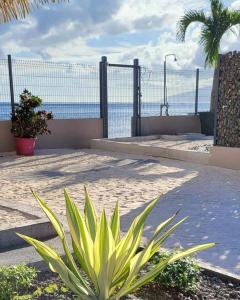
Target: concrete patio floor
(210,196)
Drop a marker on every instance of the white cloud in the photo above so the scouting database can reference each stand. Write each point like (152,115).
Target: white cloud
(235,4)
(123,29)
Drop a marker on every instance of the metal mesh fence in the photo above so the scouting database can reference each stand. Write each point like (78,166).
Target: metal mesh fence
(152,91)
(70,91)
(5,104)
(180,90)
(120,101)
(205,88)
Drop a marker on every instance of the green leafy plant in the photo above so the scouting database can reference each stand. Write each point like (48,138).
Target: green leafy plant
(15,278)
(26,122)
(111,263)
(183,274)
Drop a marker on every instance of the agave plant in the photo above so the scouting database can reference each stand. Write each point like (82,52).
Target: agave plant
(111,263)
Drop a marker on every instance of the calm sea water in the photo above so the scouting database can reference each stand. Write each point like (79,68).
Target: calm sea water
(119,114)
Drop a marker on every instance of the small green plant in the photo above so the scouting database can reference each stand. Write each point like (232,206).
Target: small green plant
(183,274)
(51,288)
(111,263)
(15,278)
(44,292)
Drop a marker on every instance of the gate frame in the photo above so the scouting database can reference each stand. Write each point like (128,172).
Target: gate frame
(103,79)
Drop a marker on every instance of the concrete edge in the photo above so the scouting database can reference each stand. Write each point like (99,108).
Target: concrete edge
(220,273)
(39,229)
(135,148)
(25,209)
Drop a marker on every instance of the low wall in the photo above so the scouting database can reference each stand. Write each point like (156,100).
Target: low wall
(65,134)
(6,139)
(170,125)
(225,157)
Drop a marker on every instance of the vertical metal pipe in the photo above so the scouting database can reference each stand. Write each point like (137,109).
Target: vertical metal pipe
(165,82)
(215,138)
(139,102)
(104,95)
(10,73)
(135,97)
(196,92)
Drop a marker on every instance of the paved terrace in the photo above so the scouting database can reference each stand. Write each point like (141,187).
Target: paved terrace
(210,196)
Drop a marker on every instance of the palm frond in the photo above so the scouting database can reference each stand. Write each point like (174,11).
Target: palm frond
(189,18)
(234,17)
(17,9)
(211,45)
(216,8)
(214,27)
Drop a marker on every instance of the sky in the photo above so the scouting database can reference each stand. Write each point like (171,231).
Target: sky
(84,30)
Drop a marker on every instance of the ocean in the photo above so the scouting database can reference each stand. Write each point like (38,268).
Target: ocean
(119,114)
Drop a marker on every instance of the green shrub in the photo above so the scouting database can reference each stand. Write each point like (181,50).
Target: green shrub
(26,121)
(15,278)
(183,274)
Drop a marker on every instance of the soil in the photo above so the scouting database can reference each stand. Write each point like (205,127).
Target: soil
(210,288)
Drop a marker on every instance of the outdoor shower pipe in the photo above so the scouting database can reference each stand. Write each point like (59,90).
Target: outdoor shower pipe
(165,104)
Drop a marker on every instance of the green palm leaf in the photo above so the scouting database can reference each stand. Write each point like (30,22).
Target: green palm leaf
(214,26)
(15,9)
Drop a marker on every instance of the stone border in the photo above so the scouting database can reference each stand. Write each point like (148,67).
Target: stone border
(124,145)
(219,272)
(223,157)
(39,228)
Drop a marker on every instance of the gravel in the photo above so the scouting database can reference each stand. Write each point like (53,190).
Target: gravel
(210,288)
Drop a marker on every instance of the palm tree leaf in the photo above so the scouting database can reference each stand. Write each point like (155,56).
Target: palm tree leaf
(189,18)
(234,17)
(15,9)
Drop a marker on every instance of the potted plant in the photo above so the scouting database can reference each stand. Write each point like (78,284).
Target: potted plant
(27,123)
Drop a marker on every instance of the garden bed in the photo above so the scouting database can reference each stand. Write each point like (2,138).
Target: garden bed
(49,286)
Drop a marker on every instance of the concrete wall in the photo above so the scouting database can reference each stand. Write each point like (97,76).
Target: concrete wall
(225,157)
(65,134)
(170,125)
(6,139)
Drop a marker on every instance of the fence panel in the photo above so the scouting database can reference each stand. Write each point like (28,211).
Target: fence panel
(205,88)
(5,104)
(70,91)
(120,101)
(181,91)
(152,91)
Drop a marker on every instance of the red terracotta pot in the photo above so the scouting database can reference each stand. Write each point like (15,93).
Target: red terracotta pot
(25,146)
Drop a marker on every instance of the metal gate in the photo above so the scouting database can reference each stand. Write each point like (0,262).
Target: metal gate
(120,99)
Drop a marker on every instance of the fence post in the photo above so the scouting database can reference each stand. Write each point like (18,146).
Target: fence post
(196,93)
(104,95)
(136,87)
(10,74)
(215,130)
